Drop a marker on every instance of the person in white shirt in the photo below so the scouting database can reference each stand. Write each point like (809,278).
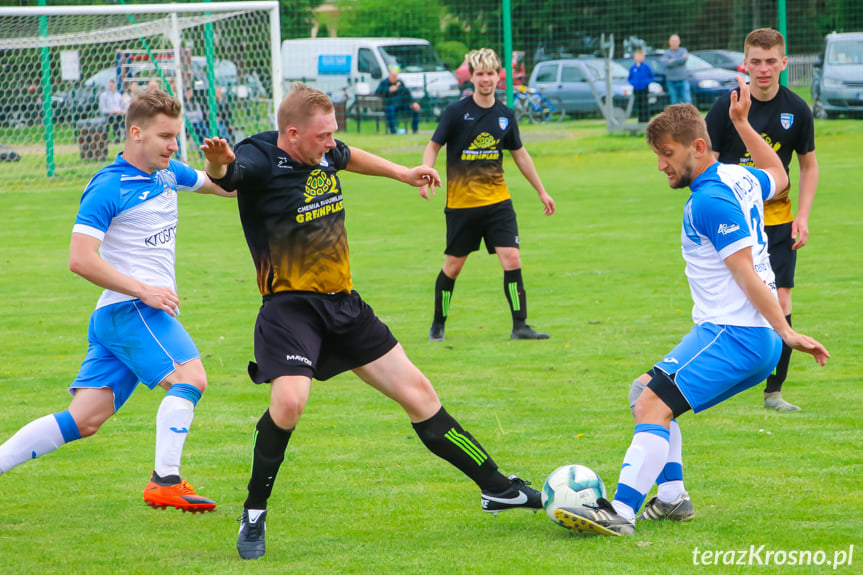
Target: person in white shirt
(111,107)
(123,240)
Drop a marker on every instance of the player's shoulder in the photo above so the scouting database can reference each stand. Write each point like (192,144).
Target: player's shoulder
(500,107)
(458,107)
(339,156)
(721,104)
(117,176)
(789,98)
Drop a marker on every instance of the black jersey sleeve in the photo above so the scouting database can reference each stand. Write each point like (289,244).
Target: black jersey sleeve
(444,127)
(806,141)
(248,168)
(717,122)
(512,139)
(340,155)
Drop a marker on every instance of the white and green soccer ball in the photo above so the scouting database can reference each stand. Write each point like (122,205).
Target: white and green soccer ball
(571,486)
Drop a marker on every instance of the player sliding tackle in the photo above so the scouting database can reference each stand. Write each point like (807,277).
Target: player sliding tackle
(312,324)
(739,328)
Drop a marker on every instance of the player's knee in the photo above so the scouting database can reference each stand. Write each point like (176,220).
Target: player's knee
(634,393)
(286,411)
(637,388)
(199,380)
(192,373)
(422,404)
(89,425)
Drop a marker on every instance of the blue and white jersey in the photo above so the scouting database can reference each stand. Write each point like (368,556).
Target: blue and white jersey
(724,214)
(134,215)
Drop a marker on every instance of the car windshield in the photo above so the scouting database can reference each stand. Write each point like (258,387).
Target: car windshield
(597,69)
(697,63)
(845,53)
(412,57)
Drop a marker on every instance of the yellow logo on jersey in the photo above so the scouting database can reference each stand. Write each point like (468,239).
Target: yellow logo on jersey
(318,184)
(747,160)
(484,141)
(483,147)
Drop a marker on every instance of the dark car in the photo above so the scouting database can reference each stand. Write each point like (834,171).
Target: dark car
(706,82)
(726,59)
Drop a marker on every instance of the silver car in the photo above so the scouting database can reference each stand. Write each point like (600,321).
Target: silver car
(578,83)
(837,81)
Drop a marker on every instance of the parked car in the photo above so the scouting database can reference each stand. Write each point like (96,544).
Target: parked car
(706,82)
(575,84)
(226,76)
(837,80)
(727,59)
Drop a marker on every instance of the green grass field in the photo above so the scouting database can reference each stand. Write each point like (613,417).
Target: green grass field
(358,493)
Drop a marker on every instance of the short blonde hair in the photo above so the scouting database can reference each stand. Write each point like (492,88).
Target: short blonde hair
(482,59)
(300,103)
(682,122)
(766,38)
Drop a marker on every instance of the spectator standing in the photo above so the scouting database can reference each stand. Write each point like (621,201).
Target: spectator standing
(640,76)
(111,107)
(676,80)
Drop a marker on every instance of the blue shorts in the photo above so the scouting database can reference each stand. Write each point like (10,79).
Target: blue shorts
(714,362)
(131,342)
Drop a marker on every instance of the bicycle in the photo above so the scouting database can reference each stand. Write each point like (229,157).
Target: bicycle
(538,109)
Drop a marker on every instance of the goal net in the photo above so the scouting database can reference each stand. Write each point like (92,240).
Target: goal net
(69,72)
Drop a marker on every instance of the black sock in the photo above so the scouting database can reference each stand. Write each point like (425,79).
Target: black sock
(270,444)
(444,437)
(442,295)
(777,378)
(513,287)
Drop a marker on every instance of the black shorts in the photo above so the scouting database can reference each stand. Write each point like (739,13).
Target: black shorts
(495,224)
(783,259)
(317,335)
(664,387)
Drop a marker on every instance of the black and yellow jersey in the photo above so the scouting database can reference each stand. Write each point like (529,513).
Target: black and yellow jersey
(292,216)
(475,139)
(785,123)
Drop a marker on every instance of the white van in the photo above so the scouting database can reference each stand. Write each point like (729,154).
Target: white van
(342,67)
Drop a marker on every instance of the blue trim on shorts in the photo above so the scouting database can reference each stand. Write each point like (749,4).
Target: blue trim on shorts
(629,496)
(655,429)
(671,472)
(185,391)
(68,427)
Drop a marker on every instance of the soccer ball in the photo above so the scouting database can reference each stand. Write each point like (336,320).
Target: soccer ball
(571,486)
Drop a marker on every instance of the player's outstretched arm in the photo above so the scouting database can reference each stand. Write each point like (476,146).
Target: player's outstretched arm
(808,184)
(763,155)
(218,154)
(363,162)
(429,159)
(741,267)
(85,260)
(525,164)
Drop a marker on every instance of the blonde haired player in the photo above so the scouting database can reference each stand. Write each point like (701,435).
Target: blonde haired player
(476,130)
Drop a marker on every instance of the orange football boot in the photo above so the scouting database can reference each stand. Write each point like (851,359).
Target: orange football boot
(164,492)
